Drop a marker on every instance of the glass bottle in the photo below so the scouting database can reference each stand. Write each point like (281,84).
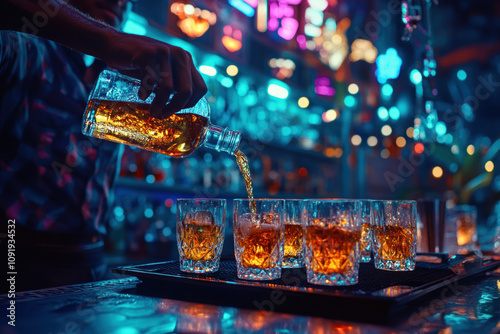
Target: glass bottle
(115,112)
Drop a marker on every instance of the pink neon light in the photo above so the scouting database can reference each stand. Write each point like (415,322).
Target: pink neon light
(301,39)
(324,90)
(323,81)
(288,28)
(253,3)
(281,18)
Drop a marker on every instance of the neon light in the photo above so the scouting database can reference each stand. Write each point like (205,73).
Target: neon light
(415,77)
(132,27)
(208,70)
(388,66)
(232,38)
(253,3)
(461,75)
(383,114)
(311,30)
(231,44)
(387,90)
(288,28)
(243,7)
(322,86)
(277,91)
(394,113)
(281,18)
(326,91)
(301,39)
(362,49)
(441,129)
(262,16)
(318,4)
(315,17)
(349,101)
(226,82)
(194,22)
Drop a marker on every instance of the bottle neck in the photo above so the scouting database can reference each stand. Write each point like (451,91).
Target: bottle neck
(222,139)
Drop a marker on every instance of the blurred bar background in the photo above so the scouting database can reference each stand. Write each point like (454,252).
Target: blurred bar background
(381,99)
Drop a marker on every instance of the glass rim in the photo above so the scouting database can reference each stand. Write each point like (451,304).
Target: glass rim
(201,199)
(327,200)
(395,201)
(258,200)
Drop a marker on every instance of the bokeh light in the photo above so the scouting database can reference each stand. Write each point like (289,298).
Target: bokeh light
(386,130)
(372,141)
(232,70)
(356,140)
(437,172)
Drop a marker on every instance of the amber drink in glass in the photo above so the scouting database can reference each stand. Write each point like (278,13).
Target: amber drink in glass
(200,233)
(332,241)
(366,230)
(394,234)
(258,238)
(293,256)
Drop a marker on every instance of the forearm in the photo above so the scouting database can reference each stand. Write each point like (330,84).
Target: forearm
(57,21)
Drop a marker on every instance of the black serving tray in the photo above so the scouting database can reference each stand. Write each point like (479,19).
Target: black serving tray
(380,297)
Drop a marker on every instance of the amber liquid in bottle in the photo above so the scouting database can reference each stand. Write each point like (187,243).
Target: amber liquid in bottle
(131,123)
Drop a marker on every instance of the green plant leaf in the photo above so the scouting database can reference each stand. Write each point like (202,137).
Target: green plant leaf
(493,151)
(479,181)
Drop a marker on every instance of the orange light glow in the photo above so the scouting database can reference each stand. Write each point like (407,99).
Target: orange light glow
(231,44)
(419,148)
(194,22)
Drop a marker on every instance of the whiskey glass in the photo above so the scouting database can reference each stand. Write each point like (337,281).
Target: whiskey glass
(365,219)
(394,234)
(293,256)
(200,233)
(258,238)
(332,241)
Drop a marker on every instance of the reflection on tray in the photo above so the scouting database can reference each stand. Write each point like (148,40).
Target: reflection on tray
(394,291)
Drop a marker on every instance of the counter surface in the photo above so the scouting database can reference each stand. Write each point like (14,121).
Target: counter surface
(118,307)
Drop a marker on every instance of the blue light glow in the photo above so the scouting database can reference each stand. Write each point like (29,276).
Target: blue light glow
(150,178)
(226,82)
(330,24)
(461,75)
(243,7)
(135,28)
(208,70)
(277,91)
(394,113)
(349,101)
(387,90)
(388,66)
(448,138)
(440,129)
(383,114)
(118,211)
(415,77)
(148,213)
(314,16)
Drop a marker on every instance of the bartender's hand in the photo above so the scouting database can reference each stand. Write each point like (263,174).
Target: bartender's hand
(161,67)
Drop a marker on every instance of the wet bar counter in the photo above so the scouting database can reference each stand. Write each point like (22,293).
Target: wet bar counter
(121,306)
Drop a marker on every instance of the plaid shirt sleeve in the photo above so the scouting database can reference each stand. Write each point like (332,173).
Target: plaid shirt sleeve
(52,177)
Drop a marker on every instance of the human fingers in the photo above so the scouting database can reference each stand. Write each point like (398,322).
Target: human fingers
(182,81)
(199,87)
(164,88)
